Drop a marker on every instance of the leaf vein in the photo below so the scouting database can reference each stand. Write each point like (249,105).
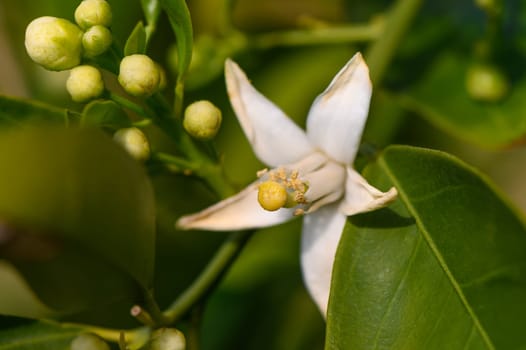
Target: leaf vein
(437,321)
(398,289)
(437,254)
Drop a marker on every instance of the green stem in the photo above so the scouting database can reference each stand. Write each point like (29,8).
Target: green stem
(182,164)
(135,338)
(154,310)
(192,335)
(142,123)
(381,53)
(210,276)
(325,35)
(225,20)
(124,102)
(179,99)
(211,173)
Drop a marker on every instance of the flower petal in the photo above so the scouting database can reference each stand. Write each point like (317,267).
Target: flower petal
(337,116)
(275,139)
(239,212)
(326,185)
(321,233)
(361,197)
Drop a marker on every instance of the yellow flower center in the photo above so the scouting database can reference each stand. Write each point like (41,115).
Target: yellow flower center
(283,189)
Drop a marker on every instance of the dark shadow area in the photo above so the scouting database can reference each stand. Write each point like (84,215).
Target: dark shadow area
(382,218)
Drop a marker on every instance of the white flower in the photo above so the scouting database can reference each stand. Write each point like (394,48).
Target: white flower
(314,167)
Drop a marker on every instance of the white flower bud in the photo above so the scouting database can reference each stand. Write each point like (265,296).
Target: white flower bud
(167,339)
(89,341)
(90,13)
(84,83)
(139,75)
(96,41)
(54,43)
(202,120)
(134,141)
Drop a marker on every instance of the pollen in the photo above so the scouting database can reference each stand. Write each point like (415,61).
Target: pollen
(272,195)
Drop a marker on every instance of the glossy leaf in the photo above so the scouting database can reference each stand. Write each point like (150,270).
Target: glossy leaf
(136,43)
(442,268)
(441,96)
(15,111)
(105,114)
(179,17)
(38,335)
(77,220)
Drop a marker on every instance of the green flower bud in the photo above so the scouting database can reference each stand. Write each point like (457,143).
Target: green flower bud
(90,13)
(96,41)
(139,75)
(167,339)
(134,141)
(202,120)
(54,43)
(84,83)
(486,83)
(89,341)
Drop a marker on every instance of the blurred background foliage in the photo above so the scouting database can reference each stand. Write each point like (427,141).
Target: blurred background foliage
(423,100)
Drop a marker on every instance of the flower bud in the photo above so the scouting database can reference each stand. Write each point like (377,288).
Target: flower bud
(202,120)
(167,339)
(134,142)
(139,75)
(90,13)
(486,83)
(89,341)
(96,41)
(54,43)
(84,83)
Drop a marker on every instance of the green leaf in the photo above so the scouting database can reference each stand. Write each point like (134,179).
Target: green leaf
(16,296)
(181,22)
(38,335)
(105,114)
(77,219)
(442,268)
(136,43)
(152,10)
(441,97)
(16,111)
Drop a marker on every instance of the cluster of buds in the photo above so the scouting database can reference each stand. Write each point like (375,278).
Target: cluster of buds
(58,44)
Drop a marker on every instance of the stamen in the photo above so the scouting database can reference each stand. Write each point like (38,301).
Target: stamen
(282,189)
(261,172)
(299,212)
